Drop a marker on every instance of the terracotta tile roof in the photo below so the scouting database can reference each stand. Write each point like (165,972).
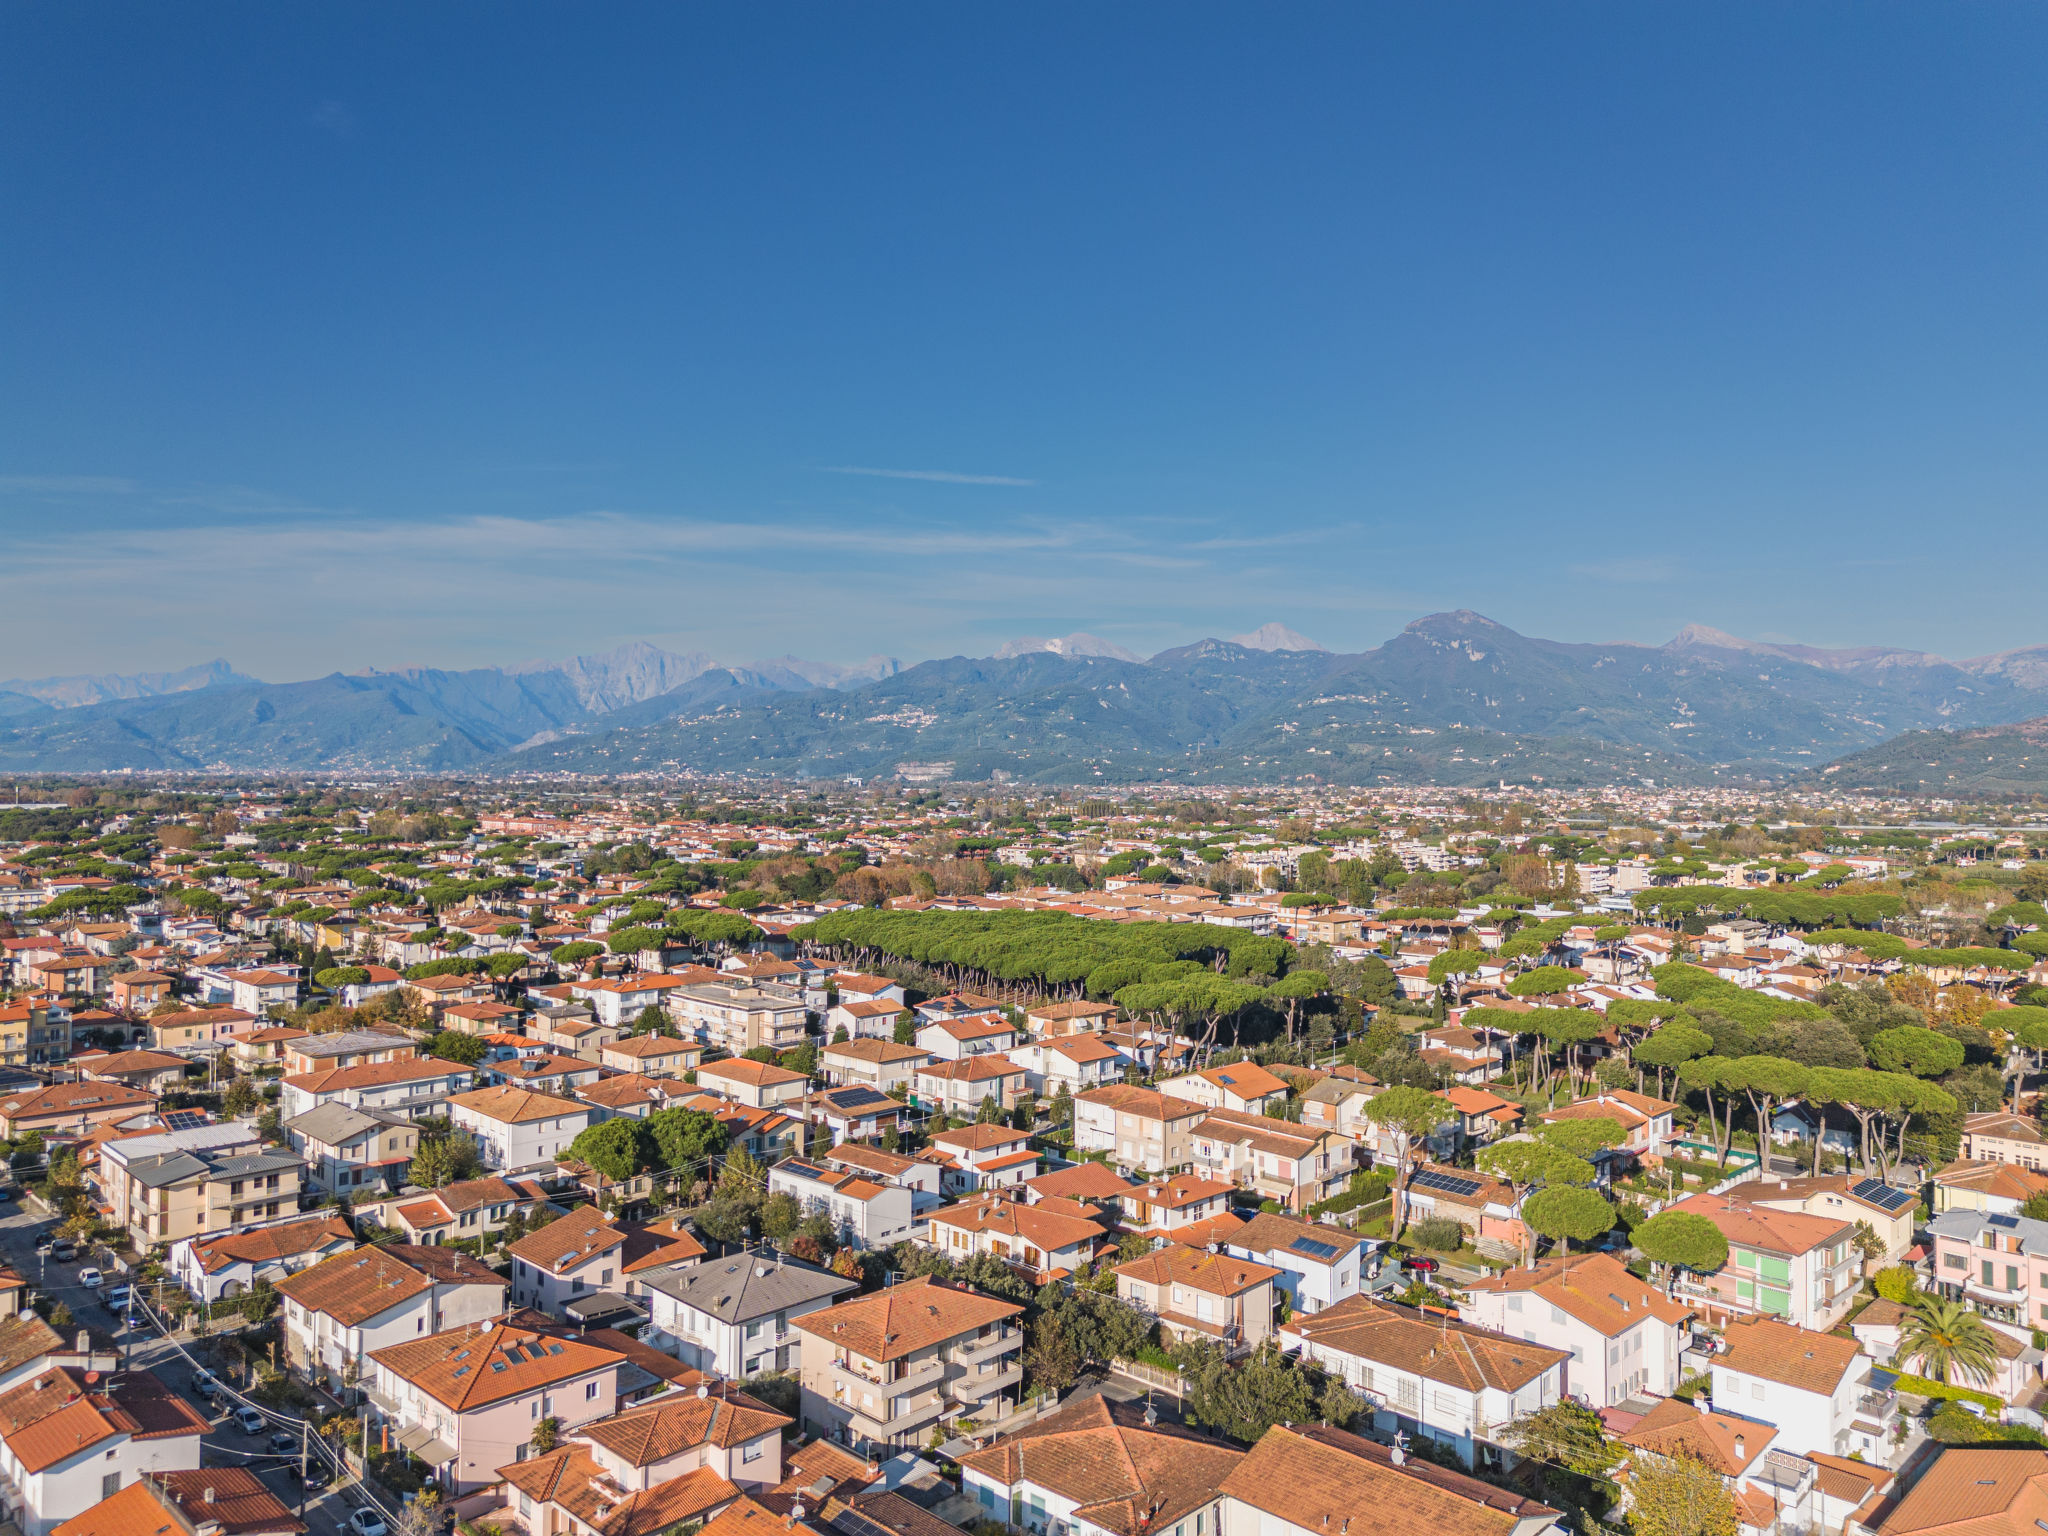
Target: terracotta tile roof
(2005,1180)
(54,1415)
(750,1517)
(514,1106)
(1123,1476)
(678,1422)
(1217,1274)
(1796,1357)
(820,1461)
(1147,1102)
(471,1367)
(992,1067)
(61,1099)
(569,1240)
(264,1245)
(884,1165)
(573,1479)
(1088,1180)
(1047,1229)
(660,1243)
(475,1194)
(1263,1133)
(1725,1443)
(2000,1125)
(1320,1479)
(1850,1481)
(1432,1347)
(904,1319)
(353,1287)
(758,1074)
(643,1047)
(376,1074)
(1975,1491)
(1061,1011)
(1595,1288)
(1756,1226)
(1179,1192)
(241,1506)
(136,1061)
(25,1337)
(1246,1079)
(976,1138)
(875,1052)
(1275,1232)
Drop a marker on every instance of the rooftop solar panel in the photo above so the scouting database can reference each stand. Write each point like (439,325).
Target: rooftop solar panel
(1445,1183)
(184,1119)
(2005,1221)
(1313,1248)
(1887,1197)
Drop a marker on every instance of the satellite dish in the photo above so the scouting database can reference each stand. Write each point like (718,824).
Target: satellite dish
(92,1378)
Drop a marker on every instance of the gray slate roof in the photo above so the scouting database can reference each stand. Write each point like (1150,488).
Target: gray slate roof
(745,1286)
(334,1123)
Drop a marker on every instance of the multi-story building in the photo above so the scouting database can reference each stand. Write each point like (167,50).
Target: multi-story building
(34,1031)
(219,1501)
(883,1369)
(1885,1208)
(1457,1386)
(1169,1206)
(734,1317)
(465,1401)
(1216,1298)
(864,1213)
(1319,1265)
(1312,1480)
(71,1109)
(346,1048)
(1073,1062)
(1997,1263)
(1997,1189)
(1624,1336)
(652,1055)
(586,1253)
(882,1065)
(340,1310)
(177,1195)
(226,1264)
(1815,1388)
(756,1084)
(739,1019)
(961,1087)
(411,1088)
(70,1438)
(955,1039)
(1141,1129)
(1294,1164)
(1804,1269)
(977,1158)
(1244,1086)
(517,1128)
(346,1150)
(1046,1241)
(1996,1136)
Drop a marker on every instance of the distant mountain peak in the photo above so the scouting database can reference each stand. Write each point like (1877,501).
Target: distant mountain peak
(74,692)
(1277,637)
(1077,644)
(1694,636)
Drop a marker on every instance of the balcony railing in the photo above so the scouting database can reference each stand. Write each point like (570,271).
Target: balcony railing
(974,1351)
(924,1373)
(909,1412)
(975,1389)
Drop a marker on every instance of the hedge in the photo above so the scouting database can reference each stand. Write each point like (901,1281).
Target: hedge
(1921,1386)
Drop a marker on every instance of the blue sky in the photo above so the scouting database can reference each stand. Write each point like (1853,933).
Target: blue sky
(457,334)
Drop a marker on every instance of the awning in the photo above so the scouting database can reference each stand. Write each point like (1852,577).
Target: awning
(606,1307)
(420,1441)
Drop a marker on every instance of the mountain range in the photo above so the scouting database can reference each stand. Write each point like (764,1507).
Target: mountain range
(1455,698)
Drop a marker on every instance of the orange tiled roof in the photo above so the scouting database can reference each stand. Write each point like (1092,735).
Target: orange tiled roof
(903,1319)
(472,1367)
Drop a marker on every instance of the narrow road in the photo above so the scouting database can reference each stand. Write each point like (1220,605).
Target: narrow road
(226,1444)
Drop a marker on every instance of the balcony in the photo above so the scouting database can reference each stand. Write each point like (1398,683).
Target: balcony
(1789,1478)
(920,1374)
(986,1346)
(974,1389)
(909,1412)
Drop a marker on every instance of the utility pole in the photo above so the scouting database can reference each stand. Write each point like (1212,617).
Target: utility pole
(304,1429)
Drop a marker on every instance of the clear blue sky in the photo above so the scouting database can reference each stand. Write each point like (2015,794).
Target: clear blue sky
(342,336)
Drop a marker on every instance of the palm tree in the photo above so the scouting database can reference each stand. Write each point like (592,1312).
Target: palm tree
(1945,1334)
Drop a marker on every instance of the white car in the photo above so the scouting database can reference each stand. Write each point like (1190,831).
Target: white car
(367,1522)
(89,1276)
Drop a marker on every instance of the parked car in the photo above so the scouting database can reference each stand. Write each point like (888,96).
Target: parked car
(44,1239)
(1419,1266)
(316,1475)
(202,1381)
(249,1421)
(63,1250)
(118,1298)
(367,1522)
(89,1276)
(283,1440)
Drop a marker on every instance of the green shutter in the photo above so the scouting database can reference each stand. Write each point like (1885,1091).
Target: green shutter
(1779,1270)
(1745,1290)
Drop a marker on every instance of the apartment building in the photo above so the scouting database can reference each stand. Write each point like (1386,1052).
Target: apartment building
(756,1084)
(960,1087)
(198,1027)
(718,1430)
(1997,1189)
(1168,1206)
(71,1109)
(1141,1129)
(178,1195)
(411,1088)
(346,1048)
(1996,1263)
(469,1209)
(652,1055)
(587,1253)
(979,1158)
(974,1035)
(884,1369)
(1042,1242)
(739,1019)
(1051,1020)
(1624,1336)
(1786,1264)
(1454,1385)
(1886,1209)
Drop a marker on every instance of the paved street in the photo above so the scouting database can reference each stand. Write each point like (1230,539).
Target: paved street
(225,1443)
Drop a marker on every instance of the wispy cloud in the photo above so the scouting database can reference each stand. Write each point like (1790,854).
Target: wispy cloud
(67,485)
(946,476)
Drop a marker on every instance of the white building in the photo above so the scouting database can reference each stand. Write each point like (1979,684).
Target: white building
(517,1128)
(865,1213)
(1319,1265)
(1814,1387)
(69,1438)
(1624,1336)
(730,1317)
(339,1310)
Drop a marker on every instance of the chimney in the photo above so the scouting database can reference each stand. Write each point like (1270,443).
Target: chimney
(84,1342)
(1704,1403)
(1738,1445)
(208,1495)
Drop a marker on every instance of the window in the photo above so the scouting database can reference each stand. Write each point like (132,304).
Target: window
(751,1452)
(589,1390)
(1954,1261)
(110,1485)
(1986,1270)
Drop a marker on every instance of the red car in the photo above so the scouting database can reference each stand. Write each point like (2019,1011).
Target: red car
(1419,1266)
